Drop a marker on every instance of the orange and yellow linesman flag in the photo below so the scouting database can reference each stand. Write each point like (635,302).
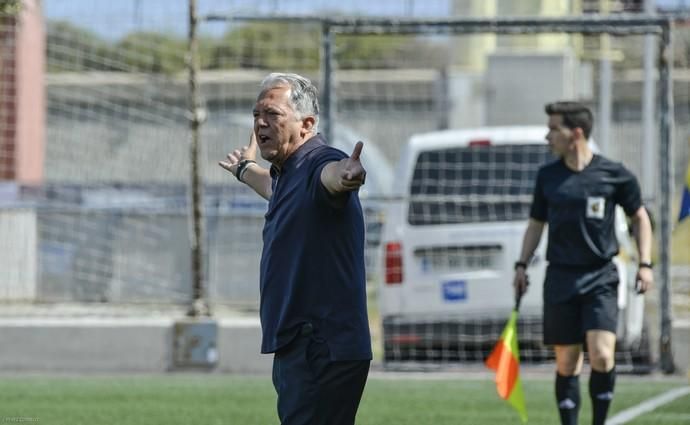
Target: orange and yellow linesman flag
(505,360)
(685,203)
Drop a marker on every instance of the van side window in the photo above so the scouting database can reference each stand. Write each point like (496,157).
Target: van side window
(475,184)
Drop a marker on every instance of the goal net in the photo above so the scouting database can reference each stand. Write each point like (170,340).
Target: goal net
(453,129)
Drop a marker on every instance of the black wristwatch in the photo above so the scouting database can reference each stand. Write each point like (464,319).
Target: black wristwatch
(644,264)
(520,264)
(241,167)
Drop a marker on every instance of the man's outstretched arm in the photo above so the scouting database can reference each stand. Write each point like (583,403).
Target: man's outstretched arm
(242,164)
(345,175)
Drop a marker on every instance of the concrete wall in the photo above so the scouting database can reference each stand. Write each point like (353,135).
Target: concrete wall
(519,84)
(118,345)
(145,345)
(680,338)
(128,256)
(18,254)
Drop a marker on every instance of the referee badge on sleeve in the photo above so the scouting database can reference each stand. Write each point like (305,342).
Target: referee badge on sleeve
(595,207)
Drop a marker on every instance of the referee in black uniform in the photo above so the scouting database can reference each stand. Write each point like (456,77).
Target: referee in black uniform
(577,195)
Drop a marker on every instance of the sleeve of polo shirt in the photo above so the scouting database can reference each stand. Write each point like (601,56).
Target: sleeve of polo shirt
(628,194)
(319,192)
(540,207)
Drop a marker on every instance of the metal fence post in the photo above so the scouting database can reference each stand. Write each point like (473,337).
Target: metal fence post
(327,96)
(666,186)
(199,305)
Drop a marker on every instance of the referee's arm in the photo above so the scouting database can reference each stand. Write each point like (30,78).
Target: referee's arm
(642,230)
(529,244)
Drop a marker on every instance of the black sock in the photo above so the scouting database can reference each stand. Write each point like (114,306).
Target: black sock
(568,398)
(601,392)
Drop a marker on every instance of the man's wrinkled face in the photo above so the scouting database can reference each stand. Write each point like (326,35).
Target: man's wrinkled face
(276,124)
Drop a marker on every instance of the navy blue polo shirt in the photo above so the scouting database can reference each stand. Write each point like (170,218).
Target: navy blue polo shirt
(579,207)
(312,264)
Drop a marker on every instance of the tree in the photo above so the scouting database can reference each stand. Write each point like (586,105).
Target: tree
(71,48)
(264,45)
(153,52)
(283,45)
(388,52)
(259,45)
(10,7)
(75,49)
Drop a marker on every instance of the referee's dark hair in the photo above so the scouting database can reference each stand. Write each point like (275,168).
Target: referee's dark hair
(575,114)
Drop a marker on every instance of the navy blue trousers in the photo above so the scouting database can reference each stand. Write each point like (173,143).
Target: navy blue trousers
(314,390)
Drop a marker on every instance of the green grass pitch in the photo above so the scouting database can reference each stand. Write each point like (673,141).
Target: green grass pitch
(218,399)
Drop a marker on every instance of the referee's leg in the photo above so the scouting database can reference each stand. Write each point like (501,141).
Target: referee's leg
(601,347)
(562,329)
(568,367)
(600,315)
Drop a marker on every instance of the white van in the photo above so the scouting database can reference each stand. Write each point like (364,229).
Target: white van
(450,240)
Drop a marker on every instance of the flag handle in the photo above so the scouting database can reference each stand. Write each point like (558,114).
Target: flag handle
(518,298)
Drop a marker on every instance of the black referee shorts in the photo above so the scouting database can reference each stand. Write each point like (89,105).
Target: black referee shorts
(577,301)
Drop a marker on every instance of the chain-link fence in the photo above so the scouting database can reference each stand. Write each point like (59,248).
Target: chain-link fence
(109,221)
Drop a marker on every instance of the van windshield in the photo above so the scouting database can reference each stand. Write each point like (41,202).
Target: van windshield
(475,184)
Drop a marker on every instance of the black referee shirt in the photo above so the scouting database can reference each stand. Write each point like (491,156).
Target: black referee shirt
(579,209)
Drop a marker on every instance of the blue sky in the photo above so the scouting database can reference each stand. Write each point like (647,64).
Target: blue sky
(114,18)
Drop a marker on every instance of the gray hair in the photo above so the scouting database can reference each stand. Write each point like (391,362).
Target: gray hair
(304,96)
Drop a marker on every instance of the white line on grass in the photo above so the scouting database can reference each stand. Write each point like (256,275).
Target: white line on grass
(627,415)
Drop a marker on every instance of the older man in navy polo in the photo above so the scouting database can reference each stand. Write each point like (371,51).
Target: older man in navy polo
(313,294)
